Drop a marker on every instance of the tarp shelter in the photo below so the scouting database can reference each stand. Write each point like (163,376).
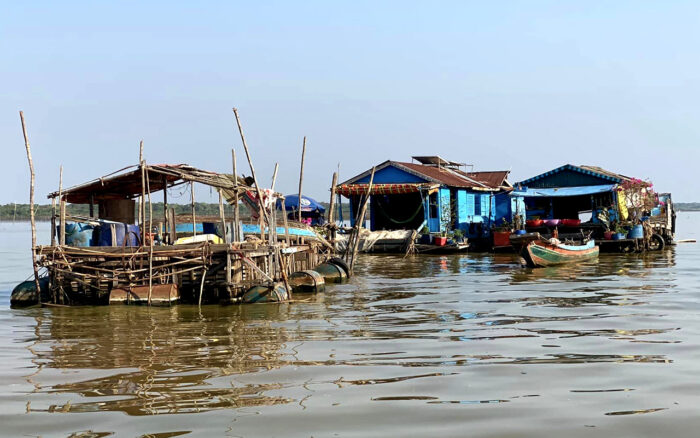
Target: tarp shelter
(291,203)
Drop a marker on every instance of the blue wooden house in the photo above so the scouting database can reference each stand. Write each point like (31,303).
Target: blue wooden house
(570,191)
(429,191)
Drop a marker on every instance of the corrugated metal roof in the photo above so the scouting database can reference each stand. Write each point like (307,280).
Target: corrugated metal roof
(494,179)
(449,177)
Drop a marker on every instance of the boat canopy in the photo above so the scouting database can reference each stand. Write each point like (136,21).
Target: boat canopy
(563,191)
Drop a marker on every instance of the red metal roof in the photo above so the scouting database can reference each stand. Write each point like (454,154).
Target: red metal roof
(494,179)
(449,177)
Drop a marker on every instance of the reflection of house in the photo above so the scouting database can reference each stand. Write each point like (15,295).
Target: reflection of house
(431,192)
(567,191)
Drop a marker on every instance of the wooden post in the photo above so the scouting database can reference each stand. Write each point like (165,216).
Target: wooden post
(223,218)
(142,210)
(286,226)
(165,208)
(172,234)
(250,162)
(150,244)
(301,178)
(53,221)
(331,207)
(236,213)
(31,206)
(194,218)
(62,209)
(359,224)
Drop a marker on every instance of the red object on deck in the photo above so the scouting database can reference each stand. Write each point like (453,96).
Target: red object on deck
(534,222)
(501,238)
(570,222)
(608,235)
(440,241)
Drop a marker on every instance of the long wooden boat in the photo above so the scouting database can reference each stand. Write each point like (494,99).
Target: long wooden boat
(539,252)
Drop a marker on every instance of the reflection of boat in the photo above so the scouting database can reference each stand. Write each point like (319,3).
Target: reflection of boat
(538,251)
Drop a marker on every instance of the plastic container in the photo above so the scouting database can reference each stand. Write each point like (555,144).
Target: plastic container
(608,235)
(551,222)
(534,222)
(117,234)
(440,241)
(520,232)
(618,236)
(79,234)
(501,238)
(637,232)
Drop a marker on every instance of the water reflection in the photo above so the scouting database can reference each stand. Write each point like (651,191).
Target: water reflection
(169,357)
(472,337)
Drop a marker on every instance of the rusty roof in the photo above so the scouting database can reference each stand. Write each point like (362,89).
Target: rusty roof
(446,176)
(495,179)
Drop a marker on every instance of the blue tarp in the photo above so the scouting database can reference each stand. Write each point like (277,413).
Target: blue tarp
(563,191)
(291,203)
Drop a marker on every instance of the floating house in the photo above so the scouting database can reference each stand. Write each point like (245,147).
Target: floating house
(429,192)
(125,252)
(590,199)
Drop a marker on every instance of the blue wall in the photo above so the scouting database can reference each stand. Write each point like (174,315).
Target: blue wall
(391,175)
(568,178)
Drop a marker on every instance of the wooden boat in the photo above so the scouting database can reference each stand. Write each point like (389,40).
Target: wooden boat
(539,251)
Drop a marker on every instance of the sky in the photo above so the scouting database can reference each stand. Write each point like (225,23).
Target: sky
(524,86)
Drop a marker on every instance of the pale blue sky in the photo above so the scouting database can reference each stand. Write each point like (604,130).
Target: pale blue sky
(526,86)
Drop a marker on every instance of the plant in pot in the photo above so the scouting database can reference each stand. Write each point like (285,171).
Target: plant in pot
(458,236)
(620,232)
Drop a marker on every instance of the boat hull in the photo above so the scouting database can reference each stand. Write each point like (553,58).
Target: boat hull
(540,253)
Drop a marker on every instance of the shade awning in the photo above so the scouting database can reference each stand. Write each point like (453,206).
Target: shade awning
(563,191)
(382,189)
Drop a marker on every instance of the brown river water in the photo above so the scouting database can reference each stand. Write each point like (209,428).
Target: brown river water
(464,345)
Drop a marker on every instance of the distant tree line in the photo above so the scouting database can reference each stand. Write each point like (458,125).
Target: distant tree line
(20,212)
(687,206)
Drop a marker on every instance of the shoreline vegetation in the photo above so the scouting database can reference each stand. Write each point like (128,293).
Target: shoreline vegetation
(20,212)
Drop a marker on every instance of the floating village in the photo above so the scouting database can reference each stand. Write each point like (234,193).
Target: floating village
(274,246)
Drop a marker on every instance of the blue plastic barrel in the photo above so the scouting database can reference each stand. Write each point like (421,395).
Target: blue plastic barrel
(79,234)
(637,232)
(118,234)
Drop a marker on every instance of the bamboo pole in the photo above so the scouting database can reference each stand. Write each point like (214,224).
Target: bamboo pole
(301,177)
(250,162)
(236,213)
(150,245)
(143,199)
(222,216)
(359,224)
(274,177)
(31,206)
(62,209)
(194,218)
(165,208)
(286,226)
(53,221)
(331,208)
(141,210)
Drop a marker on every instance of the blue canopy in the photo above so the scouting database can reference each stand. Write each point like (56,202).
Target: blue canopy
(291,203)
(563,191)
